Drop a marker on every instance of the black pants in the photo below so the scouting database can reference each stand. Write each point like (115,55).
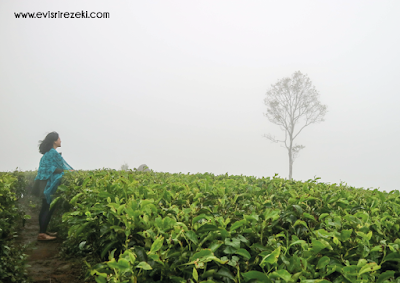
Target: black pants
(45,216)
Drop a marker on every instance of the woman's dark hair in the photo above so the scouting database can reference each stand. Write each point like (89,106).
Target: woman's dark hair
(47,144)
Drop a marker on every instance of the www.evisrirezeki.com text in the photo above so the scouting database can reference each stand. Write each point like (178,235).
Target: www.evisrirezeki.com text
(62,15)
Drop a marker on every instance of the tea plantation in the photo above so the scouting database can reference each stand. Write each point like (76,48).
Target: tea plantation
(161,227)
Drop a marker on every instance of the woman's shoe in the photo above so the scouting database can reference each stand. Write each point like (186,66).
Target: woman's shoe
(45,237)
(53,234)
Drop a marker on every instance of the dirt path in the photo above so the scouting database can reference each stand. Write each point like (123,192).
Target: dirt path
(46,265)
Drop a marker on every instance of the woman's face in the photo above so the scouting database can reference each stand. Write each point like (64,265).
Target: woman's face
(57,143)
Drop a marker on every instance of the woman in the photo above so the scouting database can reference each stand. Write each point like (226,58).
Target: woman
(49,175)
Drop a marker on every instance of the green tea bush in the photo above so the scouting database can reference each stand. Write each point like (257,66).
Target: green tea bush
(160,227)
(12,258)
(9,213)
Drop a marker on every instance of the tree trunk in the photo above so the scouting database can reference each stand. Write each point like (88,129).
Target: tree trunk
(290,162)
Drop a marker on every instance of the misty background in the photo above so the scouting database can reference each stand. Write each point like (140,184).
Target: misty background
(180,86)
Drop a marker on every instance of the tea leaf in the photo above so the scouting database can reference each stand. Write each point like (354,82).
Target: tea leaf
(322,262)
(238,224)
(195,274)
(271,258)
(157,244)
(144,265)
(281,273)
(369,268)
(259,276)
(384,276)
(243,253)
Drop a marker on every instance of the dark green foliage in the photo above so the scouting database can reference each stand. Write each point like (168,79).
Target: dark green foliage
(12,259)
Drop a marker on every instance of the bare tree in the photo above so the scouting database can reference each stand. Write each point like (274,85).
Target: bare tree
(292,104)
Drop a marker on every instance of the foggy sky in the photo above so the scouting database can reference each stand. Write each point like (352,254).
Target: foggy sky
(180,85)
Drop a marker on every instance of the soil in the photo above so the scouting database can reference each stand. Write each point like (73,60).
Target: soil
(44,259)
